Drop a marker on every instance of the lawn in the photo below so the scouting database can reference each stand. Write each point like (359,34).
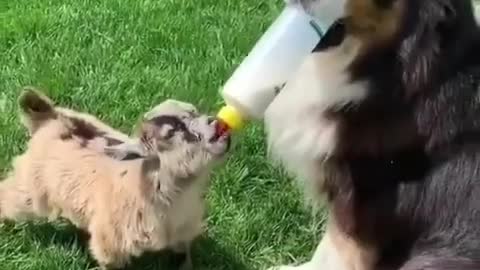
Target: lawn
(117,59)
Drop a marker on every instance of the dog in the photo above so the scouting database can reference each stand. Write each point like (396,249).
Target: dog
(151,201)
(382,122)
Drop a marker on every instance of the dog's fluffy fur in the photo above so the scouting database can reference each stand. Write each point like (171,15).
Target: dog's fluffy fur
(383,120)
(151,202)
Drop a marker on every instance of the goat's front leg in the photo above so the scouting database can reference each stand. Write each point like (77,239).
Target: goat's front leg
(185,249)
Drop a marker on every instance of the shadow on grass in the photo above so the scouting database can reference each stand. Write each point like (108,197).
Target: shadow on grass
(58,234)
(207,253)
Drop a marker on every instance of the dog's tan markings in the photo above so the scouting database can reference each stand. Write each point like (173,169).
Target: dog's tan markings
(374,21)
(356,255)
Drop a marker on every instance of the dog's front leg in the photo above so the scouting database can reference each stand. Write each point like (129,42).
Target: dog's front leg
(326,257)
(337,251)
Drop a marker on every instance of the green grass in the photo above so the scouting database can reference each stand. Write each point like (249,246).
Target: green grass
(117,59)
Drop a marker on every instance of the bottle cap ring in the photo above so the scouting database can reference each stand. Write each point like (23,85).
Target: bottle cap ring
(231,117)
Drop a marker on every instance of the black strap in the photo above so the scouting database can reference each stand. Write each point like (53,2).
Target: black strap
(333,36)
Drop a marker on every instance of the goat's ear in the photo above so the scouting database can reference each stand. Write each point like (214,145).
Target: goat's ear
(421,53)
(125,151)
(148,130)
(32,101)
(35,109)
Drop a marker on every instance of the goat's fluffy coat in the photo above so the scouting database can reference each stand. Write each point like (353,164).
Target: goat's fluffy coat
(383,121)
(152,202)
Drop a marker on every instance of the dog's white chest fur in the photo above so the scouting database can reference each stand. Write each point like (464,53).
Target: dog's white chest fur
(299,134)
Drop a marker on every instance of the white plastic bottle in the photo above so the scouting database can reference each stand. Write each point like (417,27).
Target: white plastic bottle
(275,57)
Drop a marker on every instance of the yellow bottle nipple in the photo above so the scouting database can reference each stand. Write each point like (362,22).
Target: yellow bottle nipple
(231,117)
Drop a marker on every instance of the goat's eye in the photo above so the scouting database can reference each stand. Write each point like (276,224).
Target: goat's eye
(192,136)
(170,134)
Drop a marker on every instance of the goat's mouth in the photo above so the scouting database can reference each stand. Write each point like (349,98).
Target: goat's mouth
(220,136)
(221,133)
(209,130)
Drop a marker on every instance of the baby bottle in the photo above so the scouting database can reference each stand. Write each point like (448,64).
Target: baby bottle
(271,62)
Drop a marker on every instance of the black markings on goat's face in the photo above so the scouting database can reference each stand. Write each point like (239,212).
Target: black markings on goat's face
(170,126)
